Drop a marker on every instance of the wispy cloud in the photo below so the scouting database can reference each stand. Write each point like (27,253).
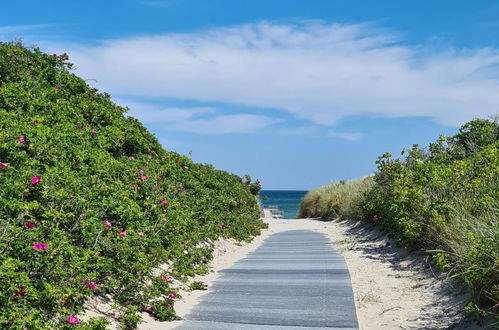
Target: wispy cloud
(12,31)
(305,130)
(315,71)
(345,136)
(153,114)
(225,124)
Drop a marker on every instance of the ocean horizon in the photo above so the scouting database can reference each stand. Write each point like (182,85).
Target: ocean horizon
(288,201)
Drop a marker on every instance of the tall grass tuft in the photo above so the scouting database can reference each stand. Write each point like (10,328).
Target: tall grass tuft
(337,200)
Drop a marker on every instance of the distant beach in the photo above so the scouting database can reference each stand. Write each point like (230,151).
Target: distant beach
(287,201)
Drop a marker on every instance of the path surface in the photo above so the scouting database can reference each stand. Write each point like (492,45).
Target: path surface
(294,280)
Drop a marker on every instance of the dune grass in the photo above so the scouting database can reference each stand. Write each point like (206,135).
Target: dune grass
(443,199)
(337,200)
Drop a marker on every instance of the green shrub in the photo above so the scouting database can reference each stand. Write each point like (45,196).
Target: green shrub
(445,198)
(91,204)
(338,200)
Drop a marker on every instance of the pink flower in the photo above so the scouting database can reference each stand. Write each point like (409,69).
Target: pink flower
(164,203)
(123,234)
(152,152)
(93,132)
(229,227)
(34,122)
(142,171)
(166,278)
(143,178)
(72,319)
(21,140)
(181,187)
(79,127)
(57,87)
(84,279)
(140,233)
(87,125)
(4,166)
(160,177)
(21,292)
(167,304)
(120,230)
(172,296)
(220,226)
(40,246)
(375,219)
(185,167)
(107,224)
(30,224)
(91,285)
(36,179)
(131,158)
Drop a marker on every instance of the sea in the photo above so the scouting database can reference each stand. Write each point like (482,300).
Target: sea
(287,201)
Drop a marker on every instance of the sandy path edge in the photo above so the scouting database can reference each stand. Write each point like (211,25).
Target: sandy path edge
(393,288)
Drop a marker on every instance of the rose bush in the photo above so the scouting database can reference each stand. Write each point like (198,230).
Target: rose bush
(90,202)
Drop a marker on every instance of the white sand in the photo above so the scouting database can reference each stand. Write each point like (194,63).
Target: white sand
(393,289)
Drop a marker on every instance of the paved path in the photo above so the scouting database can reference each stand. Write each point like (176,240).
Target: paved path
(294,280)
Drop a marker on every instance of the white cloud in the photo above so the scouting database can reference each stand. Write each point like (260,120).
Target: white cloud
(316,71)
(305,130)
(226,124)
(169,144)
(12,31)
(345,136)
(152,114)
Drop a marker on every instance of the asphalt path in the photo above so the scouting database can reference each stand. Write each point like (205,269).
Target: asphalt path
(294,280)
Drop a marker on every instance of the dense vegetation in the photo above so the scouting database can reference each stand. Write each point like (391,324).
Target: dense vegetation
(91,204)
(443,198)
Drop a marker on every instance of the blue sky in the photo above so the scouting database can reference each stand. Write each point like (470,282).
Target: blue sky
(295,93)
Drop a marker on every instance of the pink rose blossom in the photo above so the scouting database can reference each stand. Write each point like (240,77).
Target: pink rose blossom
(34,122)
(185,167)
(107,224)
(166,278)
(167,304)
(79,127)
(91,285)
(142,171)
(181,187)
(57,87)
(72,319)
(84,279)
(30,224)
(40,246)
(164,203)
(140,233)
(120,230)
(123,234)
(143,178)
(172,296)
(21,292)
(21,140)
(220,226)
(87,125)
(93,132)
(36,179)
(4,166)
(131,158)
